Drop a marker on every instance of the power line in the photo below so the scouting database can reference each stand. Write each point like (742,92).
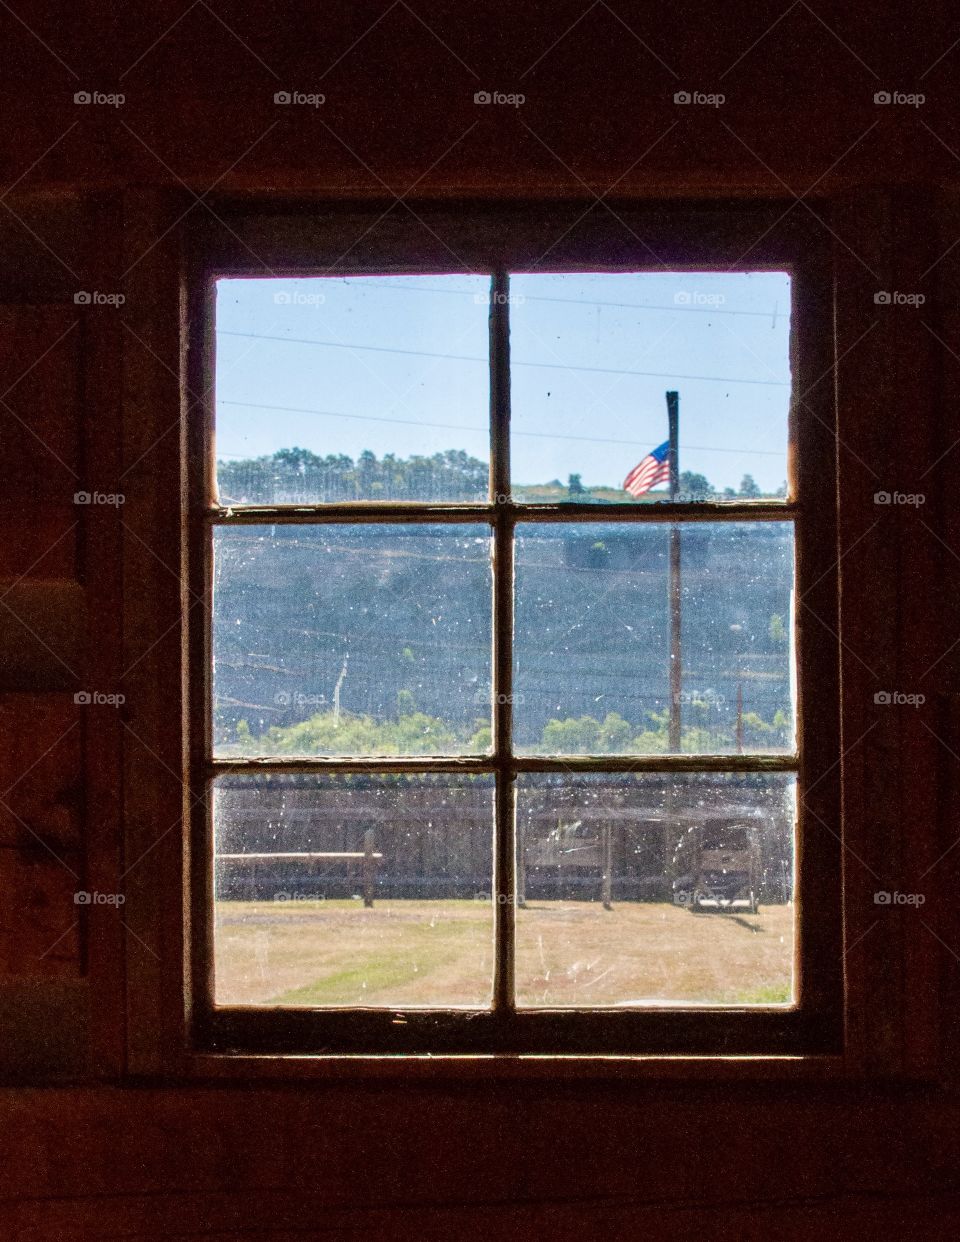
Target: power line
(416,422)
(652,306)
(552,366)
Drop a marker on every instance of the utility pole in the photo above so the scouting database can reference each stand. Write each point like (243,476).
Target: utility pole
(676,662)
(672,826)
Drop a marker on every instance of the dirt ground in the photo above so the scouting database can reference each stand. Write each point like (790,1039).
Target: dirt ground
(439,953)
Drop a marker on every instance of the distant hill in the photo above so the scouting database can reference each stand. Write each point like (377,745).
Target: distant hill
(399,617)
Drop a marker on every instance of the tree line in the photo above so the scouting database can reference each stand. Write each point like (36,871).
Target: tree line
(412,732)
(299,476)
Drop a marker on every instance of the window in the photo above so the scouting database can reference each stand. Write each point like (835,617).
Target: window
(516,722)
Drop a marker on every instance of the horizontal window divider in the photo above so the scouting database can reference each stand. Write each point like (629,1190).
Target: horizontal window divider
(428,765)
(378,512)
(655,763)
(664,513)
(422,765)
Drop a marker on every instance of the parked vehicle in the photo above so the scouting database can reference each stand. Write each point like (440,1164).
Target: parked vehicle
(724,866)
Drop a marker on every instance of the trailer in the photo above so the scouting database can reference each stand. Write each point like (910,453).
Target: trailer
(724,866)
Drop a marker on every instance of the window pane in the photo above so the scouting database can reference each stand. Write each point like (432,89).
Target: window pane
(593,622)
(592,355)
(358,388)
(401,925)
(352,640)
(689,859)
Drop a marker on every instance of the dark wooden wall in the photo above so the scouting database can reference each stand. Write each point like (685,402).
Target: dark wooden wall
(102,1138)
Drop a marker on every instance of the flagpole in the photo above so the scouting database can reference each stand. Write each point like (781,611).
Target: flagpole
(676,665)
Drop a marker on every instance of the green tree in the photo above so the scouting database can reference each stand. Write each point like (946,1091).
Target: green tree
(295,475)
(654,739)
(695,486)
(573,736)
(419,733)
(414,733)
(614,734)
(749,488)
(575,485)
(481,740)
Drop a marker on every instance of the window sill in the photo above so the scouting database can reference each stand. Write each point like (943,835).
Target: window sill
(406,1067)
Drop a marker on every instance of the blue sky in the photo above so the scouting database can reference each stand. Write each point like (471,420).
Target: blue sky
(398,365)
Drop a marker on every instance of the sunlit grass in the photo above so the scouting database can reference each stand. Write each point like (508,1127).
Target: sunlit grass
(439,953)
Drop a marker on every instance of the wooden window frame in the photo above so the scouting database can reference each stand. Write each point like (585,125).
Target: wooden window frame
(275,240)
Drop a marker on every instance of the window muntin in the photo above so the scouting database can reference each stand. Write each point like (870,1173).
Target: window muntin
(504,1029)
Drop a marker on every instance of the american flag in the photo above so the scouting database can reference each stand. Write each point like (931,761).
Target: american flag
(654,469)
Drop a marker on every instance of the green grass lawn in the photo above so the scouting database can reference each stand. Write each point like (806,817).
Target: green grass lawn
(440,954)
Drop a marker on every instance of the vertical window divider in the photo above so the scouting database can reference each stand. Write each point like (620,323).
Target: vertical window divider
(505,866)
